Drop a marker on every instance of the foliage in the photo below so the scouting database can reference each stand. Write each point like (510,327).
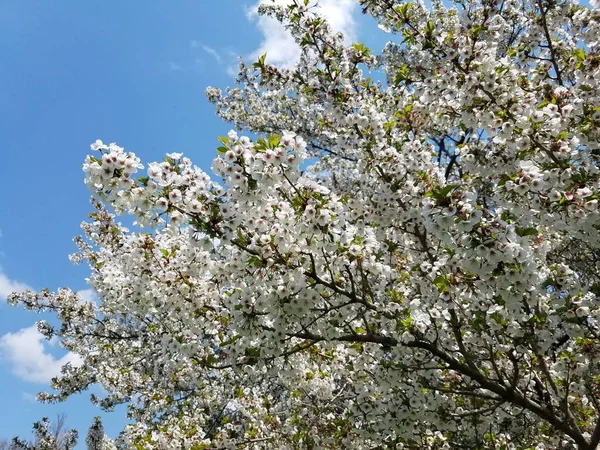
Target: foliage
(54,436)
(48,436)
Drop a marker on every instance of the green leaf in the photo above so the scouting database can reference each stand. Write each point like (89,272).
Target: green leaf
(143,181)
(274,141)
(529,231)
(404,324)
(409,38)
(430,27)
(362,49)
(357,346)
(261,145)
(477,29)
(252,352)
(230,341)
(255,261)
(210,360)
(447,189)
(442,194)
(441,282)
(261,61)
(401,74)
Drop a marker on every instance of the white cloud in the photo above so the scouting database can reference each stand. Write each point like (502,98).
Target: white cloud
(88,295)
(278,44)
(211,51)
(26,352)
(7,286)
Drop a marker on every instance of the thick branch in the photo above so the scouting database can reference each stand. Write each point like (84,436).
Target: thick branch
(508,395)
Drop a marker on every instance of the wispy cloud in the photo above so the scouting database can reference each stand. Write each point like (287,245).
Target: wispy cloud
(278,44)
(28,397)
(175,67)
(211,51)
(8,285)
(207,49)
(26,353)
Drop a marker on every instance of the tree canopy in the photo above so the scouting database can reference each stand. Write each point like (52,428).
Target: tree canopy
(411,263)
(55,436)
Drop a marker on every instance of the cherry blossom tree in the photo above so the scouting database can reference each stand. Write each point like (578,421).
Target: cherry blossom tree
(411,263)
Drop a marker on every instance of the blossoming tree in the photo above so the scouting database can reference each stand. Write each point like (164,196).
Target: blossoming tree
(54,436)
(48,436)
(407,264)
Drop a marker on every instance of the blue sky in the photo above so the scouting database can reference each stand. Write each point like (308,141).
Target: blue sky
(127,72)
